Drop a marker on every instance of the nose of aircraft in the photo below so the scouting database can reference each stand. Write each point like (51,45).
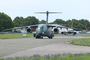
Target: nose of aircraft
(38,31)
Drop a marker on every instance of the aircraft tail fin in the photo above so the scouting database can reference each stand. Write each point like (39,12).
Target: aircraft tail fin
(47,14)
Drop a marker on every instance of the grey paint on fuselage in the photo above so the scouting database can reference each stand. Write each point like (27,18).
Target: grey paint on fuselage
(43,30)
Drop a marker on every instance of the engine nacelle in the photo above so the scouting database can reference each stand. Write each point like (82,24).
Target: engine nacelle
(74,33)
(56,31)
(29,30)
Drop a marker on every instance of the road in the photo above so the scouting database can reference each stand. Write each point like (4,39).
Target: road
(30,46)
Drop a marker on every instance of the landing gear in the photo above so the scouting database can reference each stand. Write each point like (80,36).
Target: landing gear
(50,37)
(40,37)
(34,35)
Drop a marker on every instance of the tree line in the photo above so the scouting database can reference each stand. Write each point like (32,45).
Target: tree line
(6,22)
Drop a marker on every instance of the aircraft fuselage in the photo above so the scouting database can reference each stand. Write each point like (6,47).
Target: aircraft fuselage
(43,30)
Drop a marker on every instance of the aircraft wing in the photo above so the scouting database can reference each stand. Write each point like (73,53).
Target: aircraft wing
(54,25)
(27,27)
(59,26)
(77,29)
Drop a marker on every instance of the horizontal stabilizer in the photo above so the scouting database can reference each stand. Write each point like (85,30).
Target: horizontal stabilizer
(47,12)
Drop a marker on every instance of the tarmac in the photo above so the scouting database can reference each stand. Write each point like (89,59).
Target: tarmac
(31,46)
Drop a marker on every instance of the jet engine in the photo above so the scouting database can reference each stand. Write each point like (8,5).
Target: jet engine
(29,30)
(56,31)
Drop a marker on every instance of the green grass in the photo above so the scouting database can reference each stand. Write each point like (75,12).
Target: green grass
(54,57)
(87,35)
(81,42)
(14,35)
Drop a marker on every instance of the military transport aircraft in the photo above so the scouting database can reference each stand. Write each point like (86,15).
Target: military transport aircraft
(73,31)
(68,32)
(45,29)
(42,29)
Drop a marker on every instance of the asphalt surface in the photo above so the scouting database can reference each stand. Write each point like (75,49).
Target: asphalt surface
(30,46)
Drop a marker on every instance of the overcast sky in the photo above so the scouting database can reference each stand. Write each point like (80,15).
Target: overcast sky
(71,9)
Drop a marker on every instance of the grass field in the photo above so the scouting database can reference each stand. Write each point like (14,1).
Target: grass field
(87,35)
(64,56)
(15,35)
(82,42)
(20,35)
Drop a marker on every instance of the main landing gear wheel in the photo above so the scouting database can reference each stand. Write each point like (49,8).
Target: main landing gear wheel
(39,37)
(50,37)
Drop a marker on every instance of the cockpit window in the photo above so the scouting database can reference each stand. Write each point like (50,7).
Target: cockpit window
(42,27)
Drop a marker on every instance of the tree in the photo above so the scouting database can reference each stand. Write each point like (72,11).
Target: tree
(59,21)
(5,22)
(74,24)
(18,21)
(42,22)
(30,20)
(69,23)
(15,24)
(85,23)
(79,25)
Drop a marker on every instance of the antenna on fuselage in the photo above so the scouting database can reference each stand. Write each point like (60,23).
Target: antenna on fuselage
(47,14)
